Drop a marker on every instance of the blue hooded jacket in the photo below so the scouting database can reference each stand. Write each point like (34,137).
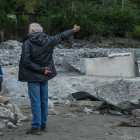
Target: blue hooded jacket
(1,71)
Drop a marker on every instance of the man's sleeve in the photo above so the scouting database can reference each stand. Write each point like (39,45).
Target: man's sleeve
(26,61)
(55,40)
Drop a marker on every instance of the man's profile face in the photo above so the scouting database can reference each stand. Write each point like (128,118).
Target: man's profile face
(30,31)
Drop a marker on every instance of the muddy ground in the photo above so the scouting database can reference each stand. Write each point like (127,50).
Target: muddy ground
(88,127)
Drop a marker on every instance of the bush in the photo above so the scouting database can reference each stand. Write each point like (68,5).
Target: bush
(119,21)
(22,26)
(136,32)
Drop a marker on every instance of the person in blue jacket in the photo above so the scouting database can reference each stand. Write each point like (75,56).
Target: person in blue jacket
(1,78)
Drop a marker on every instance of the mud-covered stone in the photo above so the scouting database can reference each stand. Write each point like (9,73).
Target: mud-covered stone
(119,94)
(136,113)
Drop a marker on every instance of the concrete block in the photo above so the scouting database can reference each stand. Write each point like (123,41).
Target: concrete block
(120,65)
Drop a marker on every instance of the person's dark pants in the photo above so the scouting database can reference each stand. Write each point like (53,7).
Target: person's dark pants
(38,93)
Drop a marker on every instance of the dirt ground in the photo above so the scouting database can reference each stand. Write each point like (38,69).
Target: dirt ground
(87,127)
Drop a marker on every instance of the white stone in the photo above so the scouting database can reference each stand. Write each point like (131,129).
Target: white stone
(6,113)
(134,101)
(15,110)
(11,125)
(19,124)
(67,102)
(50,104)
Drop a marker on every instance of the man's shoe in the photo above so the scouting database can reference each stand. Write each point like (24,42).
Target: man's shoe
(34,131)
(44,128)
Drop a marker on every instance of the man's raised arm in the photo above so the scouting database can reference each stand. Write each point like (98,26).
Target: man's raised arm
(55,40)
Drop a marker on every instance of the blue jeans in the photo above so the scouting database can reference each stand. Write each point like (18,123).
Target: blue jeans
(38,93)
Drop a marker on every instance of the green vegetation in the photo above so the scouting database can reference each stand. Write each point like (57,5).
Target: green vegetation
(106,18)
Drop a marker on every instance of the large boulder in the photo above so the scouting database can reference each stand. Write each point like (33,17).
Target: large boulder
(121,94)
(19,101)
(11,87)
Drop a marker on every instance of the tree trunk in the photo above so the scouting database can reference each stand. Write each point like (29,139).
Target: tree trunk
(2,36)
(122,4)
(72,9)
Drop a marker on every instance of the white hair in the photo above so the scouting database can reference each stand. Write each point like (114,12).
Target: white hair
(36,27)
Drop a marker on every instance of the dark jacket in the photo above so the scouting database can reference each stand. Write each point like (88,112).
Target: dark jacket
(37,53)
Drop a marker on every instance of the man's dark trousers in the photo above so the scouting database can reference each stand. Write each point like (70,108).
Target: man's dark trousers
(38,93)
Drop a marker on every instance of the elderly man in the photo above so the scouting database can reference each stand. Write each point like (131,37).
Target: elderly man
(36,68)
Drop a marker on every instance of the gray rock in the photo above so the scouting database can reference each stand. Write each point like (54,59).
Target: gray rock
(53,112)
(19,101)
(2,125)
(50,104)
(55,101)
(55,97)
(134,101)
(61,46)
(15,110)
(119,93)
(96,112)
(19,124)
(1,133)
(69,115)
(11,125)
(5,121)
(61,101)
(29,118)
(115,112)
(67,102)
(136,113)
(73,105)
(125,113)
(85,103)
(81,115)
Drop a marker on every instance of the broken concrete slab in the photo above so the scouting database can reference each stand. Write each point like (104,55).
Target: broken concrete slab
(118,65)
(119,94)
